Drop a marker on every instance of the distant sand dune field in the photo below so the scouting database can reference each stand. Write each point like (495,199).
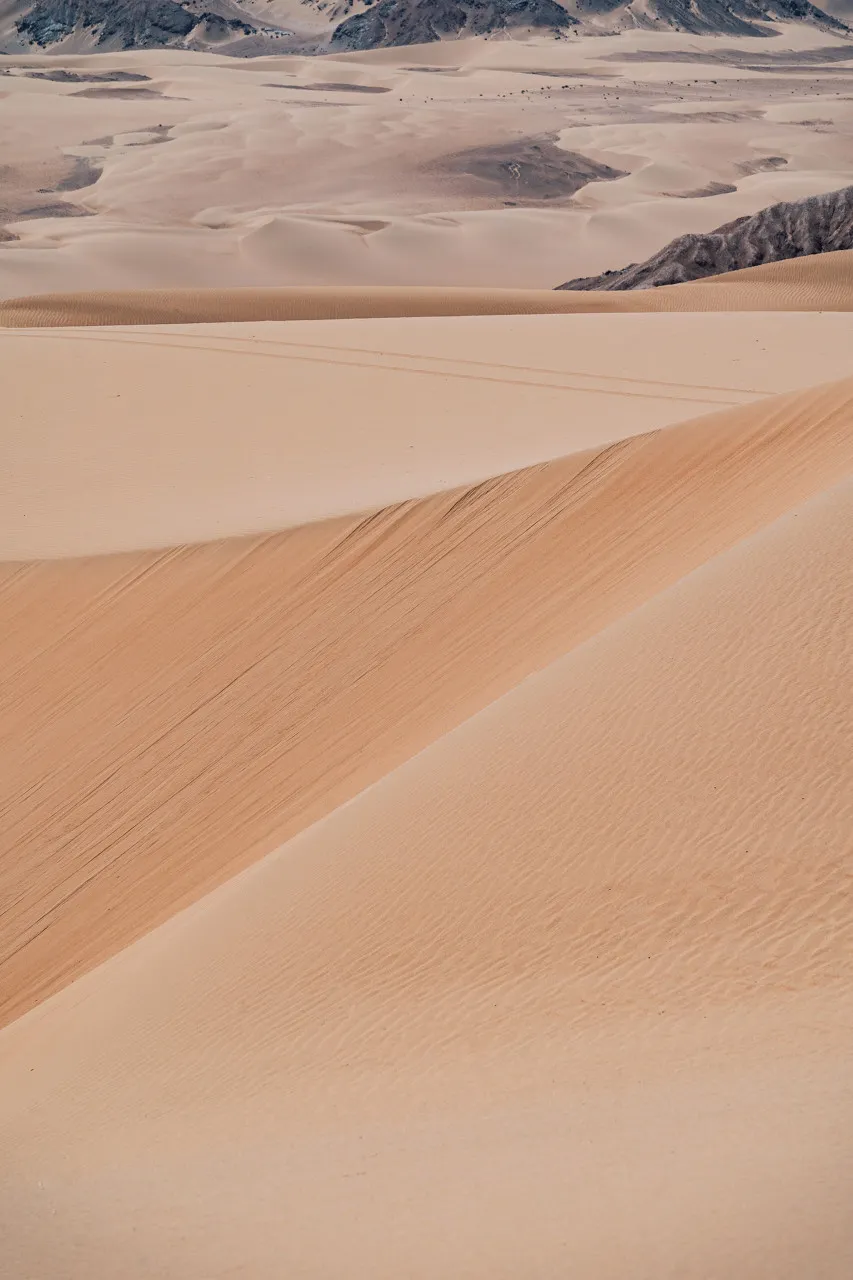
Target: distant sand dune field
(425,718)
(475,162)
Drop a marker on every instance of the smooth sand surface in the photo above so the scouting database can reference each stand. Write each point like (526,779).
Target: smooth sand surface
(819,282)
(92,458)
(184,712)
(425,724)
(459,168)
(568,992)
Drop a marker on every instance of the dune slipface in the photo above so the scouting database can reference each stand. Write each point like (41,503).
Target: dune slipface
(432,992)
(434,987)
(425,726)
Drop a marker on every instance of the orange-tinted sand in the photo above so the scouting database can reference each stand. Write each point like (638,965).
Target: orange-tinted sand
(821,283)
(425,748)
(587,957)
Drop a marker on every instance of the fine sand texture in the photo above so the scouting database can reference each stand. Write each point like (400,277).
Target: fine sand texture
(821,282)
(479,163)
(425,718)
(565,992)
(225,695)
(131,441)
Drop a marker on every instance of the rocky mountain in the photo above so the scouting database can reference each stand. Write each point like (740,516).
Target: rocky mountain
(248,27)
(402,22)
(793,229)
(136,23)
(93,25)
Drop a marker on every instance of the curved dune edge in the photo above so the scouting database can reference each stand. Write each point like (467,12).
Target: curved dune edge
(192,709)
(339,418)
(565,990)
(823,282)
(321,302)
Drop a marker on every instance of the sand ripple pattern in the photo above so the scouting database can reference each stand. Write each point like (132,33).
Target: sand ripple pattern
(224,696)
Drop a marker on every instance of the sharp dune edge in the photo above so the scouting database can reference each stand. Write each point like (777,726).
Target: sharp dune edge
(820,283)
(91,462)
(425,725)
(414,1015)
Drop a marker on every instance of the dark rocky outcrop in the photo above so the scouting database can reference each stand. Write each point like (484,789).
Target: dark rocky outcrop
(793,229)
(61,76)
(734,17)
(126,24)
(526,171)
(402,22)
(135,24)
(129,24)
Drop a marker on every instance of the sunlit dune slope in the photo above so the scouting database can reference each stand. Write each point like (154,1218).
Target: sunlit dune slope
(140,438)
(168,717)
(564,994)
(823,282)
(321,302)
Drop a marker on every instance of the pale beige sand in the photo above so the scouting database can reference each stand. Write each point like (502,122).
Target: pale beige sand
(568,993)
(820,282)
(424,740)
(232,172)
(197,706)
(121,439)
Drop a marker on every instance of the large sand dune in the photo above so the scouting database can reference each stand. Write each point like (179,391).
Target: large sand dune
(425,726)
(566,991)
(92,460)
(821,282)
(224,696)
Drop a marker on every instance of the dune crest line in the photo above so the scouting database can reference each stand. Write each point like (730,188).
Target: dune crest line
(213,681)
(821,282)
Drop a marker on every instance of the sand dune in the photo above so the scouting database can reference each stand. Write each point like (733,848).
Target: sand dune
(92,461)
(823,282)
(565,992)
(175,656)
(425,721)
(456,167)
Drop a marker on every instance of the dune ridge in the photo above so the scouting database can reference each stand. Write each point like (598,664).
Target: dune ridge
(425,723)
(415,1014)
(820,282)
(90,461)
(203,723)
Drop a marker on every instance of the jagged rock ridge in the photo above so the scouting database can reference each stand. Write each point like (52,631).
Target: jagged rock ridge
(136,23)
(718,17)
(124,24)
(130,24)
(402,22)
(792,229)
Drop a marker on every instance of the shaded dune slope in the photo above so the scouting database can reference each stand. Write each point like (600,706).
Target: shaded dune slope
(822,282)
(213,700)
(448,972)
(200,306)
